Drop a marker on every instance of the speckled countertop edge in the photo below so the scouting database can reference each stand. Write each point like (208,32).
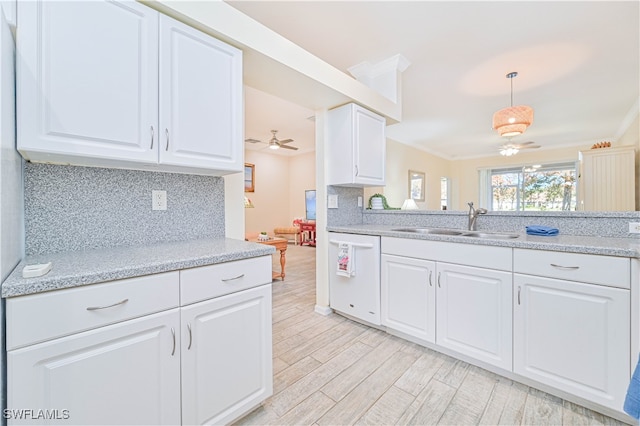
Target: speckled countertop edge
(77,268)
(621,247)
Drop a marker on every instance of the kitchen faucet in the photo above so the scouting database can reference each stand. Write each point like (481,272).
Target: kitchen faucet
(473,215)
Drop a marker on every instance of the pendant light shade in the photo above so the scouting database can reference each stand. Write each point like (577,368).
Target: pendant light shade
(514,120)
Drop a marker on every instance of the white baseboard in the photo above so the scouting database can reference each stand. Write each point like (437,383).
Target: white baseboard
(323,310)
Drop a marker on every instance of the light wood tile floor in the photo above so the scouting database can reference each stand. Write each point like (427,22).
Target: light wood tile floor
(329,370)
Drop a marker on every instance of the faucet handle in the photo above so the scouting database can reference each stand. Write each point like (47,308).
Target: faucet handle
(470,204)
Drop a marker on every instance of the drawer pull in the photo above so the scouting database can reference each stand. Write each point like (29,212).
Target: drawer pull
(234,278)
(565,268)
(96,308)
(519,289)
(152,136)
(173,333)
(190,335)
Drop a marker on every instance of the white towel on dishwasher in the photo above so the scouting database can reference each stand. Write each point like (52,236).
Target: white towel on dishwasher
(346,260)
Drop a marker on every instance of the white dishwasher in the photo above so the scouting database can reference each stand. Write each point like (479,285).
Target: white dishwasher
(355,292)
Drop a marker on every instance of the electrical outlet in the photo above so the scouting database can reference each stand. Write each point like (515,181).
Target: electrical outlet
(634,227)
(158,200)
(359,201)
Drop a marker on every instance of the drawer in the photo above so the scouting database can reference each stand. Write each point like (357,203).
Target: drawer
(490,257)
(205,282)
(588,268)
(40,317)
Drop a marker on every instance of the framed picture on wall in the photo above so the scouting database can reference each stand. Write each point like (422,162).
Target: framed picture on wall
(249,177)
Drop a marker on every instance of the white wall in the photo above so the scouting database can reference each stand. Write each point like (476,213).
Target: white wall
(280,183)
(463,174)
(302,171)
(402,158)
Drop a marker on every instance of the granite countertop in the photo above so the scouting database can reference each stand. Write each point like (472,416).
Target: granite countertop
(606,246)
(76,268)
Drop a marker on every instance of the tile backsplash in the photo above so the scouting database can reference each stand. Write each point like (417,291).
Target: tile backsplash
(71,208)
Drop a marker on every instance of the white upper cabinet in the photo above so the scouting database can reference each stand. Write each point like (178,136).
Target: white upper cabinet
(356,147)
(87,88)
(200,99)
(115,84)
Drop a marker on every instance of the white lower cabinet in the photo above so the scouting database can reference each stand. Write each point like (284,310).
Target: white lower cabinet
(559,320)
(465,308)
(408,296)
(127,352)
(474,313)
(573,336)
(126,373)
(226,356)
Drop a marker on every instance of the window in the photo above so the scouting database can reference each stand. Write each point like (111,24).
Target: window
(444,192)
(550,187)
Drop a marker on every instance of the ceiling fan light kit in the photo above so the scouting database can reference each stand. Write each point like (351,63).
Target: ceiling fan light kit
(274,143)
(509,151)
(514,120)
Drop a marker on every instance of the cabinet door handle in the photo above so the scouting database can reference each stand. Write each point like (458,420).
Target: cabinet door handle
(152,136)
(190,335)
(519,289)
(566,268)
(430,283)
(357,170)
(173,333)
(97,308)
(439,280)
(231,279)
(166,132)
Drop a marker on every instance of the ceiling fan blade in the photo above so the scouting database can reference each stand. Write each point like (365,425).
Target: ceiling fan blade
(529,147)
(289,147)
(286,141)
(252,141)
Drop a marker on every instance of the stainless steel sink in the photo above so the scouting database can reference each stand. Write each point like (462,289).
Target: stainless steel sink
(435,231)
(455,232)
(497,235)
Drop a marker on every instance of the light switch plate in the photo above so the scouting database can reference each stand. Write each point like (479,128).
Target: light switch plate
(332,201)
(634,227)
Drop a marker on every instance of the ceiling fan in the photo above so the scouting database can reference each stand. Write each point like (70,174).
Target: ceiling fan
(509,149)
(274,143)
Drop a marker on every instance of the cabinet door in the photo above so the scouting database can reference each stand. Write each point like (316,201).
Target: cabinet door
(87,77)
(408,296)
(369,147)
(127,373)
(573,336)
(200,99)
(474,313)
(226,356)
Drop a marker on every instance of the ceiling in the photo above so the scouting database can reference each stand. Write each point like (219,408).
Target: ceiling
(577,62)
